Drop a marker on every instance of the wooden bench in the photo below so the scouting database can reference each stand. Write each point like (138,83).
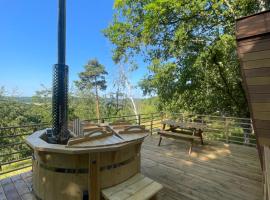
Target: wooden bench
(181,136)
(138,187)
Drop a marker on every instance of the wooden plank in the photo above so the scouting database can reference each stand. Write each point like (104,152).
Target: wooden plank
(193,166)
(71,185)
(255,55)
(147,192)
(253,25)
(94,176)
(133,136)
(92,136)
(131,189)
(105,141)
(206,165)
(177,135)
(259,89)
(10,191)
(119,174)
(2,193)
(260,107)
(261,115)
(259,98)
(192,182)
(109,158)
(267,20)
(253,40)
(26,175)
(258,72)
(263,132)
(253,64)
(264,141)
(68,161)
(257,45)
(28,196)
(258,80)
(263,124)
(112,190)
(21,187)
(246,29)
(226,160)
(253,31)
(245,23)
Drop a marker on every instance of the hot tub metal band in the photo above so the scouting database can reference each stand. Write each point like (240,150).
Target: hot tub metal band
(85,170)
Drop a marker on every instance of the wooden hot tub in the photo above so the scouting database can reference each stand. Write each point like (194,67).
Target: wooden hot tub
(101,158)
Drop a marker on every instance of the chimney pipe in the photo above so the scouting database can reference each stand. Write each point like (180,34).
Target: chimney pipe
(60,82)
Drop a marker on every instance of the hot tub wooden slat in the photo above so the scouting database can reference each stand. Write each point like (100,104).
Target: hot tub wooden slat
(119,134)
(132,132)
(110,140)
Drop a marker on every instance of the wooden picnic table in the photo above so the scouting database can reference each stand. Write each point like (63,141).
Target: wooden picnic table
(183,125)
(195,128)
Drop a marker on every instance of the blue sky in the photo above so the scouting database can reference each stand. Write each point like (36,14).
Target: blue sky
(28,38)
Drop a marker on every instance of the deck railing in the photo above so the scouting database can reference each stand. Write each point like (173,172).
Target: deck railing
(16,155)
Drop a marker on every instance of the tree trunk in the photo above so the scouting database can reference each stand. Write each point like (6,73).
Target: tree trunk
(97,100)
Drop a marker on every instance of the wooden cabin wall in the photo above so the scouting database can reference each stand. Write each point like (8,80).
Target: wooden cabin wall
(253,48)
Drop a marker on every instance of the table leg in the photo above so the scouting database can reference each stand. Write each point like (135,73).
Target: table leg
(190,148)
(94,176)
(201,136)
(163,127)
(159,141)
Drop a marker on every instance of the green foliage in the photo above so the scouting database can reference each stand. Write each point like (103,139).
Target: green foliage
(147,106)
(190,48)
(83,105)
(92,76)
(114,104)
(13,113)
(42,105)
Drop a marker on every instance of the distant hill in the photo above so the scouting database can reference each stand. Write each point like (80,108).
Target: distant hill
(28,100)
(18,99)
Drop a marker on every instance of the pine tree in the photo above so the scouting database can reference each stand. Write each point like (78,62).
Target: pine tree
(93,77)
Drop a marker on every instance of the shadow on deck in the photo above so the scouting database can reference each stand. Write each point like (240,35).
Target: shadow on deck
(214,171)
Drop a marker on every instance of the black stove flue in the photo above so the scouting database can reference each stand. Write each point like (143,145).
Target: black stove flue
(60,132)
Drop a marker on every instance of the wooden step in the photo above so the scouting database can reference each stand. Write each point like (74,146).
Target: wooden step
(137,187)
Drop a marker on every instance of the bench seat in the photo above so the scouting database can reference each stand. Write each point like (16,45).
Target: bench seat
(137,187)
(181,136)
(177,135)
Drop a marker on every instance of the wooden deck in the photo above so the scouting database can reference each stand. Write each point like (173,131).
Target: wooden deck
(214,171)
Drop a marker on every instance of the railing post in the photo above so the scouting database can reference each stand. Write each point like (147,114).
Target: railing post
(251,131)
(151,125)
(227,129)
(35,129)
(139,119)
(162,116)
(161,119)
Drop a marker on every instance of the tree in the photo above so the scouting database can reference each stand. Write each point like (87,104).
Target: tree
(265,4)
(93,76)
(190,49)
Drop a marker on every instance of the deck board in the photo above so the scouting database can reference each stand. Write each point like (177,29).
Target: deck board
(213,171)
